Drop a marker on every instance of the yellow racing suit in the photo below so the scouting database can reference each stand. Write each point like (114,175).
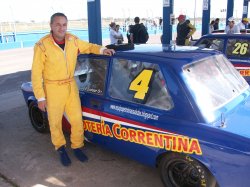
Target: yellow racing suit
(53,79)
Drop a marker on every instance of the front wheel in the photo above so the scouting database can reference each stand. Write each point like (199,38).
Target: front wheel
(38,118)
(179,170)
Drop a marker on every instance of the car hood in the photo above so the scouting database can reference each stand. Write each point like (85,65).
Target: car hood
(238,120)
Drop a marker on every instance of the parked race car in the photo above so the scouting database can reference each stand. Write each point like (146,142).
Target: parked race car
(235,46)
(181,109)
(223,31)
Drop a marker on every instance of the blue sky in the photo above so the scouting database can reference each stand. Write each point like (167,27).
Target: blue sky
(41,10)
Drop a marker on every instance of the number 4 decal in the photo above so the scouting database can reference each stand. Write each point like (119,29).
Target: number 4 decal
(140,84)
(240,48)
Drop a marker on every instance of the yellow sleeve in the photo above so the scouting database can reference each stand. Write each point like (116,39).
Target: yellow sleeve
(37,71)
(192,29)
(85,47)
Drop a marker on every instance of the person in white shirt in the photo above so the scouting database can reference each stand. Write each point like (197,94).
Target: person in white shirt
(113,35)
(243,24)
(120,40)
(231,28)
(211,26)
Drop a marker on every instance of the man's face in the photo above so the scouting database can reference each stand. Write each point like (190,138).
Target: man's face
(181,20)
(231,23)
(59,27)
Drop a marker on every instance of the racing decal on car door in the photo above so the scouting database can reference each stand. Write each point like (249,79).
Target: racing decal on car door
(240,48)
(244,70)
(134,132)
(140,84)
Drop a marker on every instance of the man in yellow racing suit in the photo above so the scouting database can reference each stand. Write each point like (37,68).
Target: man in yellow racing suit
(54,61)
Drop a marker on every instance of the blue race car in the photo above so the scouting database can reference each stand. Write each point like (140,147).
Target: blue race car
(181,109)
(235,46)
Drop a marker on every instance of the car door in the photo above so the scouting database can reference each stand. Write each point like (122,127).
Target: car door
(91,77)
(137,96)
(237,51)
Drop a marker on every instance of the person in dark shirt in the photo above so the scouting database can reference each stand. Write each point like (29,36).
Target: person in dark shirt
(160,23)
(129,33)
(184,31)
(138,32)
(216,24)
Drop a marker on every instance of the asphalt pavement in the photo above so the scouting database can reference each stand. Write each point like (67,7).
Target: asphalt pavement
(28,159)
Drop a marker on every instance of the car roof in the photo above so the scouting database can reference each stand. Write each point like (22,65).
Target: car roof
(174,56)
(224,35)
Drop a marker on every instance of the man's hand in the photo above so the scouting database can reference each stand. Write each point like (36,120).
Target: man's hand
(42,105)
(108,52)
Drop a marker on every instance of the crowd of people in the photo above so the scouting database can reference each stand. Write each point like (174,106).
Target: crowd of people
(231,27)
(136,33)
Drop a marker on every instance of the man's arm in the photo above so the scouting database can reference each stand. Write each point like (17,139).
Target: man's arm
(131,38)
(87,48)
(37,75)
(192,30)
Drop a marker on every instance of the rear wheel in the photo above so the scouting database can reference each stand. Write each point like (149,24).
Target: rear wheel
(179,170)
(38,118)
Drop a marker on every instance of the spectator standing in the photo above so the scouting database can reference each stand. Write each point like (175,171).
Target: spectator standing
(129,33)
(216,24)
(184,30)
(231,28)
(243,24)
(138,33)
(120,40)
(113,35)
(54,86)
(160,23)
(211,26)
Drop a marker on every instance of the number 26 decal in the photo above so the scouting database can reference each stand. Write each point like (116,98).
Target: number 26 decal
(140,84)
(240,48)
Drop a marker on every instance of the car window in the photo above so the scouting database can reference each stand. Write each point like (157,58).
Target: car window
(212,43)
(238,48)
(139,82)
(90,74)
(213,82)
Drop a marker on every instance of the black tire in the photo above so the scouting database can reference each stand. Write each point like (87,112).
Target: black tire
(180,170)
(38,118)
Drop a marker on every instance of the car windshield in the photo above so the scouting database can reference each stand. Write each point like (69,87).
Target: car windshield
(213,82)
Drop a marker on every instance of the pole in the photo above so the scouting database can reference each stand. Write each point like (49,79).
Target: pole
(167,22)
(230,9)
(94,21)
(245,8)
(205,17)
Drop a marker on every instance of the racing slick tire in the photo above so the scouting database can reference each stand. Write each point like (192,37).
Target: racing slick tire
(38,118)
(180,170)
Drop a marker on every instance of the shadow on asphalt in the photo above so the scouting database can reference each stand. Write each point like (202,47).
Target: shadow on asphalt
(13,81)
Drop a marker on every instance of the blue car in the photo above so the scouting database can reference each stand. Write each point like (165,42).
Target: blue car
(183,110)
(236,47)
